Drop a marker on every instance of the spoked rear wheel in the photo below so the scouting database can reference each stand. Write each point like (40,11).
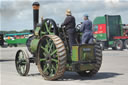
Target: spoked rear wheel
(22,62)
(51,57)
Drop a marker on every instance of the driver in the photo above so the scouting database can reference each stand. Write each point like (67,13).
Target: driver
(86,28)
(69,23)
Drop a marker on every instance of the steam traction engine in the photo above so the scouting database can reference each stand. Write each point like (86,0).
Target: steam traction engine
(50,49)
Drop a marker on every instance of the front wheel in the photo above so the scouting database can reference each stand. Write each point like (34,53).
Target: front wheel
(22,62)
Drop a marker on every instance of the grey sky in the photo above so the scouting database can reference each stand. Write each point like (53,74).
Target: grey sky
(17,14)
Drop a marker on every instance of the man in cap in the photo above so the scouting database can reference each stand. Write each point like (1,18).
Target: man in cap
(86,28)
(69,23)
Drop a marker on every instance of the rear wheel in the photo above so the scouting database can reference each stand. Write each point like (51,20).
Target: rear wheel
(51,57)
(22,62)
(126,44)
(118,45)
(98,55)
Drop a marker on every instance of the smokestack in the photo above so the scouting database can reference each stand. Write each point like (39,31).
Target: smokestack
(35,6)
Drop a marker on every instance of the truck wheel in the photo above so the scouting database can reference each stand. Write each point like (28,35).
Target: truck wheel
(126,44)
(97,65)
(118,45)
(51,57)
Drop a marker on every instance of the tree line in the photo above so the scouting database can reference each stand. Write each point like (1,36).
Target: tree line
(14,31)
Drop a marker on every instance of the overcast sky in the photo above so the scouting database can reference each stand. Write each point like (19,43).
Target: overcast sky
(17,14)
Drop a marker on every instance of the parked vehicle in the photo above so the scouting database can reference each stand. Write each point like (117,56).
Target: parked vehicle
(17,38)
(111,32)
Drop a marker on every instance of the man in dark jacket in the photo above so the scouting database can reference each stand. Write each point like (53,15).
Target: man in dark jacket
(86,28)
(69,23)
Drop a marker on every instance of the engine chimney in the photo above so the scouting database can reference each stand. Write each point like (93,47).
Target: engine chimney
(35,6)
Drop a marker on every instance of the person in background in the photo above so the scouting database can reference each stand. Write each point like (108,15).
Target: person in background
(69,24)
(86,29)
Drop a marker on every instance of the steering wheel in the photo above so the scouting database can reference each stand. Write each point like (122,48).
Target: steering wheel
(78,27)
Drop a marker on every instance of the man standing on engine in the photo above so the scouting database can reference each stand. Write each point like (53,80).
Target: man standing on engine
(86,28)
(70,23)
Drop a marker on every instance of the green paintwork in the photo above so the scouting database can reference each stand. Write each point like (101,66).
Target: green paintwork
(121,27)
(100,20)
(101,36)
(113,25)
(111,43)
(75,53)
(84,67)
(37,30)
(16,41)
(48,28)
(49,53)
(86,52)
(83,53)
(34,45)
